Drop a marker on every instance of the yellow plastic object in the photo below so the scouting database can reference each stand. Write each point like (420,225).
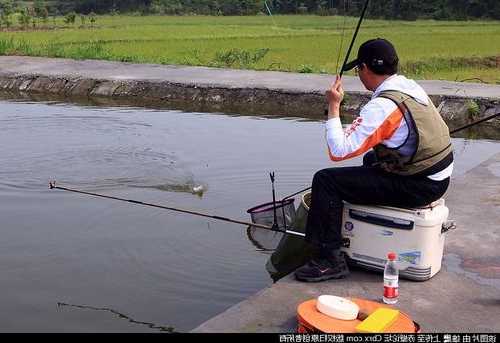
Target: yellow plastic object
(378,321)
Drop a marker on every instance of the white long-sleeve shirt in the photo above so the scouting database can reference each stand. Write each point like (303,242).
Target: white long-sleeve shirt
(380,121)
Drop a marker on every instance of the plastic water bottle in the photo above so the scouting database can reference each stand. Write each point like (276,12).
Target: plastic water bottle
(391,280)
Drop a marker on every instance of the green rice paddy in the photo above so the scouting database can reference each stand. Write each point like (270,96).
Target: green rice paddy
(449,50)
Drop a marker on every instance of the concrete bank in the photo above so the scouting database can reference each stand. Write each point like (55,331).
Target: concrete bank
(463,297)
(219,90)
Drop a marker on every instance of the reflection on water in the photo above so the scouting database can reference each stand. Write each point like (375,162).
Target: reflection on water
(287,252)
(190,187)
(153,326)
(265,241)
(291,253)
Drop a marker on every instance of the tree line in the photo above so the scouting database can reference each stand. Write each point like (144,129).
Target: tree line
(384,9)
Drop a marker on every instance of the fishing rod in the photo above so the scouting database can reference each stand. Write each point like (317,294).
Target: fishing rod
(52,185)
(296,193)
(451,132)
(346,60)
(355,35)
(270,13)
(475,123)
(275,222)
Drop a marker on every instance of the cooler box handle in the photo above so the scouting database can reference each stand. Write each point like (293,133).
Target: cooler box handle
(392,222)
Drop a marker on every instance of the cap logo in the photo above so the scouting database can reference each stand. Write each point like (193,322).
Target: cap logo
(377,62)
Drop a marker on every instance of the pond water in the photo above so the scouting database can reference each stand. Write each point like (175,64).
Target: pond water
(73,263)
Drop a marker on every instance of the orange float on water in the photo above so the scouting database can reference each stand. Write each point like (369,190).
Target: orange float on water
(310,320)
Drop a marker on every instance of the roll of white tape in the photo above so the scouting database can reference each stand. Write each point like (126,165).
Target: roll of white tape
(337,307)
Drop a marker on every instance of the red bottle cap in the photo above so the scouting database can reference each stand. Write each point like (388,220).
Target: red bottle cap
(391,256)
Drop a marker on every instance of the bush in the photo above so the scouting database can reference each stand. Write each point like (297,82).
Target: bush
(323,11)
(473,109)
(24,18)
(6,46)
(239,57)
(53,49)
(70,18)
(91,50)
(306,69)
(92,18)
(5,20)
(302,9)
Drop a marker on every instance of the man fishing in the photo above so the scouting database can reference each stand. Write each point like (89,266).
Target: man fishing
(408,160)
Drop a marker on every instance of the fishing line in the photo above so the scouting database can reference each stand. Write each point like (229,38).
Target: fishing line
(346,60)
(342,38)
(270,13)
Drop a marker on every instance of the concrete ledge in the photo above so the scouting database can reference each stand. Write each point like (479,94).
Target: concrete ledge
(218,90)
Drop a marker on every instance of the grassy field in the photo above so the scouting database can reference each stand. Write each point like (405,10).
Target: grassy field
(428,49)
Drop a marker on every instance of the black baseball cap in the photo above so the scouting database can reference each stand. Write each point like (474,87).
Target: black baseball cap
(378,54)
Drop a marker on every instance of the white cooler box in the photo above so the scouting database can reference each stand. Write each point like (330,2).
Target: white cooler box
(416,235)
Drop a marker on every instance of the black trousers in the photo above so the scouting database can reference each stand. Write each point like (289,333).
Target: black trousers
(364,185)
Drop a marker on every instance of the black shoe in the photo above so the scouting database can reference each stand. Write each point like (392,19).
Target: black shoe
(334,267)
